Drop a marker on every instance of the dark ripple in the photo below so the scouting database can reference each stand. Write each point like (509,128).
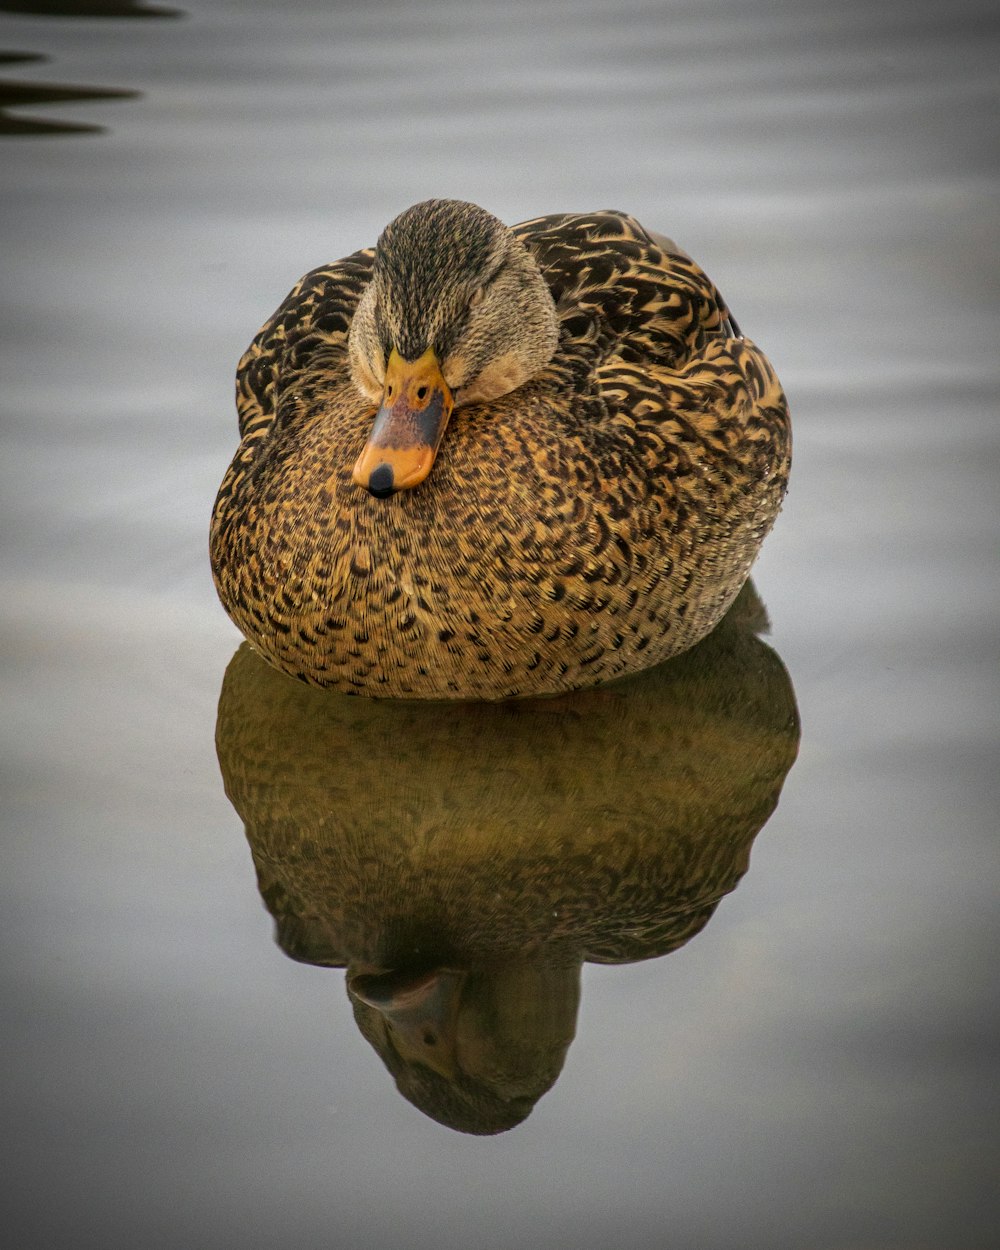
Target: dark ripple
(88,8)
(24,94)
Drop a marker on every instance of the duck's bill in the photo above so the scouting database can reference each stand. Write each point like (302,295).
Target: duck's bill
(408,428)
(421,1011)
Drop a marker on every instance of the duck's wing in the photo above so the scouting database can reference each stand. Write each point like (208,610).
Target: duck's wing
(670,248)
(647,338)
(622,292)
(308,331)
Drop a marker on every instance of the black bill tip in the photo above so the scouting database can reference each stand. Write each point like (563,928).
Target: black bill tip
(381,483)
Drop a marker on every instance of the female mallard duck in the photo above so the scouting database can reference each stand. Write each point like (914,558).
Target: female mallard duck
(615,453)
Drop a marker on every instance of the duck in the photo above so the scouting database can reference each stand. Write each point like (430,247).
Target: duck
(486,462)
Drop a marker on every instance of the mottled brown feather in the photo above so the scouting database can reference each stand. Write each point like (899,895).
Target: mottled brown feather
(593,522)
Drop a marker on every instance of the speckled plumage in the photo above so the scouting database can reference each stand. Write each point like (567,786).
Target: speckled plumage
(594,521)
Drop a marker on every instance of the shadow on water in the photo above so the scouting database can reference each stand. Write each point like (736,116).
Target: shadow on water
(16,95)
(462,861)
(88,8)
(25,94)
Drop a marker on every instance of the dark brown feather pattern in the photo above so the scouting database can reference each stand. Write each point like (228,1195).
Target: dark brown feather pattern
(595,521)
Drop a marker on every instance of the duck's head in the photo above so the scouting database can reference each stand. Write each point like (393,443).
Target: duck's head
(457,312)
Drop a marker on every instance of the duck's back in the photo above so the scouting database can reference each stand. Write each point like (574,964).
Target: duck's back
(595,521)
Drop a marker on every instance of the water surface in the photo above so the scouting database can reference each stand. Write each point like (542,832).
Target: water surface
(815,1064)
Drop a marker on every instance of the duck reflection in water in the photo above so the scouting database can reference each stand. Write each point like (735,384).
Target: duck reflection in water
(462,861)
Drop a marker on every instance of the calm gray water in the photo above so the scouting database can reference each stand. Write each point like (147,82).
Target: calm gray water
(818,1066)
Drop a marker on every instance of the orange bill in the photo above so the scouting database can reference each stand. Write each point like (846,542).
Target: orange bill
(408,429)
